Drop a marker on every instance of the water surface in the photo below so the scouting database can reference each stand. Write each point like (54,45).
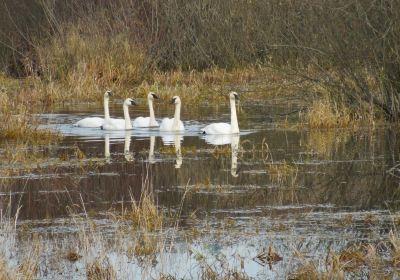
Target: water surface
(276,183)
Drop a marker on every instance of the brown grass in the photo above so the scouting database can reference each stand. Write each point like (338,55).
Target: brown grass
(100,269)
(5,272)
(145,214)
(325,114)
(81,67)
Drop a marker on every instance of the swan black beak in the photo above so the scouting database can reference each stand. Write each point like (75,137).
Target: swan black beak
(155,96)
(237,96)
(133,102)
(172,101)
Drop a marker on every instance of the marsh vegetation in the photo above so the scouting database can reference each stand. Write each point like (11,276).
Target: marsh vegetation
(308,190)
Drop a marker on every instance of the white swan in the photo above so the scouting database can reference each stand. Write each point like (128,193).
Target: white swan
(174,124)
(96,121)
(147,121)
(225,128)
(120,124)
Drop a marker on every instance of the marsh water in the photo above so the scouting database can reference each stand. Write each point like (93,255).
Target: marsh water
(277,184)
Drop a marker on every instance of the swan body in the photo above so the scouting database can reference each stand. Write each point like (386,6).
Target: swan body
(90,122)
(120,124)
(225,128)
(147,121)
(175,123)
(96,121)
(218,139)
(141,122)
(167,124)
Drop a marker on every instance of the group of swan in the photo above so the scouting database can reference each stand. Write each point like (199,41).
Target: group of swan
(121,124)
(167,124)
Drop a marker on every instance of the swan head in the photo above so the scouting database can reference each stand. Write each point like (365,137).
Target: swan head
(129,102)
(152,96)
(175,100)
(233,95)
(107,94)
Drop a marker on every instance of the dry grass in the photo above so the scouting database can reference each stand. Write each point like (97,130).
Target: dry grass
(18,102)
(325,114)
(145,214)
(94,253)
(100,269)
(395,241)
(282,173)
(28,263)
(5,272)
(82,66)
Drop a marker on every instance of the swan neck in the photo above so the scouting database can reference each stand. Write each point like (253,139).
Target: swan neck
(234,120)
(106,109)
(152,116)
(128,124)
(177,117)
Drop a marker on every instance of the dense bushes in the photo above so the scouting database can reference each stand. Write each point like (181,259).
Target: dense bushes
(350,48)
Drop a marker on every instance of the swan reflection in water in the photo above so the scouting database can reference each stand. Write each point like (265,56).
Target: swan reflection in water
(127,143)
(107,155)
(218,140)
(128,155)
(152,159)
(175,139)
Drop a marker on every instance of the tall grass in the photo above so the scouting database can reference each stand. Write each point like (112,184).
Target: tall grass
(350,49)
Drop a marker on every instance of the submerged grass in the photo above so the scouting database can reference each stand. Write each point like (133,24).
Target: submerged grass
(127,250)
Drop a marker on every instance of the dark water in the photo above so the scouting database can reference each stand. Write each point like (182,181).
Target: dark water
(274,175)
(274,165)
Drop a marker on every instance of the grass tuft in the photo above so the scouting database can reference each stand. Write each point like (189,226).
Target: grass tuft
(100,270)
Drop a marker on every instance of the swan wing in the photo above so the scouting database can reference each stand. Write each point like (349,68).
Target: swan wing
(90,122)
(181,126)
(114,124)
(217,128)
(142,122)
(166,124)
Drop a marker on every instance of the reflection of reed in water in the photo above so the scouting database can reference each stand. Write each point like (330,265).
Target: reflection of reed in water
(127,154)
(219,140)
(327,143)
